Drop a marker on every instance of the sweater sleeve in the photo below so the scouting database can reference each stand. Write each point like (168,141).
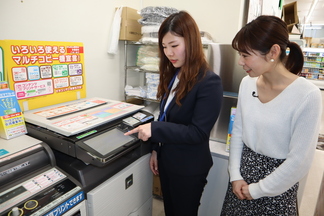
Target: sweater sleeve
(304,135)
(236,145)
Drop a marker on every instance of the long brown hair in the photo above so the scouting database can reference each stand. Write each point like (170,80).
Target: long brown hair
(183,25)
(265,31)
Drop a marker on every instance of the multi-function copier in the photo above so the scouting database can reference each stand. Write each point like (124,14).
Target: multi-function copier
(88,141)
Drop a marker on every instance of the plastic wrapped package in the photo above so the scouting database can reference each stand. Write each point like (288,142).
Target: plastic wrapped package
(149,40)
(150,34)
(152,83)
(151,20)
(154,35)
(155,15)
(147,58)
(150,67)
(150,31)
(158,11)
(151,91)
(145,52)
(139,91)
(149,61)
(152,78)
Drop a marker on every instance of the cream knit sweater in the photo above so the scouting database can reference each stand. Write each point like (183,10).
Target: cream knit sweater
(286,127)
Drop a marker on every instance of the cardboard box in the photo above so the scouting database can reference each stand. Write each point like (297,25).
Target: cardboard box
(289,13)
(293,30)
(308,41)
(157,186)
(130,28)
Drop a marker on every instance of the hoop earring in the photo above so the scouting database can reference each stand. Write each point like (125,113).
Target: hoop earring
(272,60)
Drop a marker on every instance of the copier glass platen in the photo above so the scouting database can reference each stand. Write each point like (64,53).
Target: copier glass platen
(31,184)
(91,130)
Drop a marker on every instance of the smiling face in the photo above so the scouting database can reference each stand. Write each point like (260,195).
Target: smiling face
(174,49)
(254,63)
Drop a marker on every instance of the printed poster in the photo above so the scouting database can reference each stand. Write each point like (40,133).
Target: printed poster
(43,73)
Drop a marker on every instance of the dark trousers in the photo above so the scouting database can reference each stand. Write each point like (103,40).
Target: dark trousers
(181,194)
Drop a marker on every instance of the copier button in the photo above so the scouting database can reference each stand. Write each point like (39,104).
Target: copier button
(31,204)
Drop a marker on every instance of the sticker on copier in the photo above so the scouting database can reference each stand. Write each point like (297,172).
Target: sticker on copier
(3,152)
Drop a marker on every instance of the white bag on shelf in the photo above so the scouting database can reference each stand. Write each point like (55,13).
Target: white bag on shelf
(114,32)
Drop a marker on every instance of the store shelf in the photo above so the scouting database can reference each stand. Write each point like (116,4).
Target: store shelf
(316,50)
(143,98)
(130,68)
(131,59)
(139,69)
(314,65)
(140,43)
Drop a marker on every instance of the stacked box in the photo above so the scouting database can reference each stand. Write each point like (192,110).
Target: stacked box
(157,186)
(289,14)
(130,28)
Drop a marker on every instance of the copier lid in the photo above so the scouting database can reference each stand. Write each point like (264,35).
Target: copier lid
(17,144)
(82,117)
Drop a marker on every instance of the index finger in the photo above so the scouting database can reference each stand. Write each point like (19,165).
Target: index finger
(135,130)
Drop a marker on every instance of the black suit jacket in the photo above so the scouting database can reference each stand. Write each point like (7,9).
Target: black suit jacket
(185,134)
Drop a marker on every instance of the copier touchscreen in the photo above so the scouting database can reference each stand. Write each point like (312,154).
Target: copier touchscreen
(109,141)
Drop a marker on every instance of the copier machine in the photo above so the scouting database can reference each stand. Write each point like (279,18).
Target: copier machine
(32,184)
(88,141)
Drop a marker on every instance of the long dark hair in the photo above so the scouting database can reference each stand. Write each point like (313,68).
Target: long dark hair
(265,31)
(183,25)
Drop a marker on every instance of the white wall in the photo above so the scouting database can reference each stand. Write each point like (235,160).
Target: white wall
(89,21)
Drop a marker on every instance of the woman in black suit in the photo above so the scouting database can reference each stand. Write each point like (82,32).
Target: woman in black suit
(191,96)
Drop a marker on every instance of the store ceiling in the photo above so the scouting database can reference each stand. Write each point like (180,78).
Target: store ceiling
(303,8)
